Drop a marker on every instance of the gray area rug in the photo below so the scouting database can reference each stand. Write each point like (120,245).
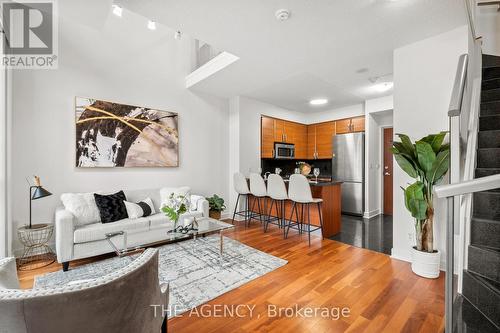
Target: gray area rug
(193,269)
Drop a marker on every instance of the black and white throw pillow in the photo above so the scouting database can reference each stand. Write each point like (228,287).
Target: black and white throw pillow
(140,209)
(111,207)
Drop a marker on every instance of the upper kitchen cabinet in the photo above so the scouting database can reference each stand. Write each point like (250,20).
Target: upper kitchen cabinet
(319,140)
(278,130)
(297,134)
(267,137)
(324,137)
(350,125)
(358,124)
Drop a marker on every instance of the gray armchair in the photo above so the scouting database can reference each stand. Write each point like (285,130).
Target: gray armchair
(118,302)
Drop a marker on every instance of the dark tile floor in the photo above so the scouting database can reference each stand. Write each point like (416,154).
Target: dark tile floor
(374,234)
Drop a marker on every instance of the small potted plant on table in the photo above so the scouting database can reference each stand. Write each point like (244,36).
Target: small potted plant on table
(427,161)
(216,205)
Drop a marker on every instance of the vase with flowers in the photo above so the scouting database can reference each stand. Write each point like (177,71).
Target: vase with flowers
(174,207)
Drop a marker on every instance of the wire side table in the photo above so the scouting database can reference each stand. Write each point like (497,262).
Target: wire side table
(37,252)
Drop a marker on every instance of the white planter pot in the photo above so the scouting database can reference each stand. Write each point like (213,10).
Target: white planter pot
(425,264)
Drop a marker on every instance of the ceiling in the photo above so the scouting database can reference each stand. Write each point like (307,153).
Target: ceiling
(326,49)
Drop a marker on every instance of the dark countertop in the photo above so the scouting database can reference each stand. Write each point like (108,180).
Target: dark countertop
(313,182)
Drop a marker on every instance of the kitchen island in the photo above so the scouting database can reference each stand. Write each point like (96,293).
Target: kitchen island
(329,191)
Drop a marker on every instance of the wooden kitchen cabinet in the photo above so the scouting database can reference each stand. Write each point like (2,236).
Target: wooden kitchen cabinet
(343,126)
(279,130)
(350,125)
(319,140)
(311,142)
(358,124)
(297,134)
(267,137)
(324,136)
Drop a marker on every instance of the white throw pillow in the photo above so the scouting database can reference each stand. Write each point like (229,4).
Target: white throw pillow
(134,210)
(167,191)
(83,206)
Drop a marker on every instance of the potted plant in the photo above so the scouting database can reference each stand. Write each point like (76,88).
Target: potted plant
(427,161)
(216,205)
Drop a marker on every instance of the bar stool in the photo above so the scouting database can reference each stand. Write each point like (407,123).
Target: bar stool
(276,190)
(258,191)
(241,187)
(299,191)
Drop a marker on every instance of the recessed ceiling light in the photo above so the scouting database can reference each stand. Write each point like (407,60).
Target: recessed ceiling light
(318,101)
(384,86)
(117,10)
(151,25)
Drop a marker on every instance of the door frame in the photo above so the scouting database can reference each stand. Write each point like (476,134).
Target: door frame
(381,170)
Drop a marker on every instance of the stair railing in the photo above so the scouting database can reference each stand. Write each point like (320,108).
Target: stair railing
(464,122)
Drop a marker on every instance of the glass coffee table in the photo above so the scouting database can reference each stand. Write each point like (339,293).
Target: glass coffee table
(205,226)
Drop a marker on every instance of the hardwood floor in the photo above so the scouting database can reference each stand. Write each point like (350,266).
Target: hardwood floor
(382,294)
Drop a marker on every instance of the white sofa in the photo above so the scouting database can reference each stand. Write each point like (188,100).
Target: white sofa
(76,240)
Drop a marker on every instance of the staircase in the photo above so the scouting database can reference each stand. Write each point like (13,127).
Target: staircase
(479,308)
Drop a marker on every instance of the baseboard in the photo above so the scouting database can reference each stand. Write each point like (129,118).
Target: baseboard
(370,214)
(400,256)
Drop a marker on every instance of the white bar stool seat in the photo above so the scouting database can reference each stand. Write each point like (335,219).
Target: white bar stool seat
(258,191)
(276,191)
(299,191)
(241,187)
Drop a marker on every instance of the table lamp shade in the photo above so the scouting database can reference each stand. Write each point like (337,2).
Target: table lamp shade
(40,192)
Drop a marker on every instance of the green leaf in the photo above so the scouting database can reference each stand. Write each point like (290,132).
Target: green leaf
(407,144)
(425,155)
(439,168)
(414,200)
(406,165)
(435,140)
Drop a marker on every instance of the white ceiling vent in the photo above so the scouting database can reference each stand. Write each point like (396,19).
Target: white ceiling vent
(282,14)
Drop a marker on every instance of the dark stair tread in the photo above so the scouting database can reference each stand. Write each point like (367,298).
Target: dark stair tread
(486,204)
(490,95)
(485,233)
(489,123)
(469,319)
(491,72)
(489,138)
(488,158)
(484,294)
(490,60)
(484,262)
(483,172)
(490,108)
(493,285)
(490,84)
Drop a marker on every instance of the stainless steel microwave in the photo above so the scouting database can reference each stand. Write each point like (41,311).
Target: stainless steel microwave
(284,151)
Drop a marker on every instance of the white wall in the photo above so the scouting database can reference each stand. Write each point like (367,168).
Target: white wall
(488,26)
(424,73)
(379,115)
(333,114)
(122,62)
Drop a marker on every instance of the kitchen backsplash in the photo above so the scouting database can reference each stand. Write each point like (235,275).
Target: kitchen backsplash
(288,166)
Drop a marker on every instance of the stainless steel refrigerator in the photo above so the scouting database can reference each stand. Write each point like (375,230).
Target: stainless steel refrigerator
(349,166)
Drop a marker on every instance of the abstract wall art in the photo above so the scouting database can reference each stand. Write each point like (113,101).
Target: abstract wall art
(118,135)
